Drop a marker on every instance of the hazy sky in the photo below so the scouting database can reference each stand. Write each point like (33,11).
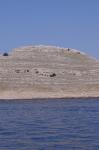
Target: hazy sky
(66,23)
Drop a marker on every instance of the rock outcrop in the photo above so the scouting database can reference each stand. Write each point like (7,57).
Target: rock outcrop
(48,72)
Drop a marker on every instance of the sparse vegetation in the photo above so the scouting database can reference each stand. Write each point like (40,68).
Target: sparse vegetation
(37,72)
(74,74)
(53,75)
(17,71)
(27,70)
(5,54)
(78,52)
(68,49)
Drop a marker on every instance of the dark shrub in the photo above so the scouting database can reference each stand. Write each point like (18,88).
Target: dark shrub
(37,72)
(78,52)
(74,74)
(68,49)
(27,70)
(17,71)
(53,75)
(5,54)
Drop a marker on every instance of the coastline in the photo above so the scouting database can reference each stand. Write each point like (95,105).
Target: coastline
(38,95)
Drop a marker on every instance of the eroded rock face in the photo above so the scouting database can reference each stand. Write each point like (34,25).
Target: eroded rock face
(47,71)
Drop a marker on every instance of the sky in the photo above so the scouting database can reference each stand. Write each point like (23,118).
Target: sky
(65,23)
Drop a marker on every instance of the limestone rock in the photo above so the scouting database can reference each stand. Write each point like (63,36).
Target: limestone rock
(48,72)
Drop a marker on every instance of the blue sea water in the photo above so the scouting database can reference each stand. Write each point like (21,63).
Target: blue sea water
(51,124)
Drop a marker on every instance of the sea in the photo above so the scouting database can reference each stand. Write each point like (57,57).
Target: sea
(49,124)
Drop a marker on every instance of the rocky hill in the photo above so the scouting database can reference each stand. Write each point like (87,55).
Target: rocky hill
(48,72)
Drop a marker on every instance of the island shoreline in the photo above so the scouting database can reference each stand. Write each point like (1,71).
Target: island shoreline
(54,98)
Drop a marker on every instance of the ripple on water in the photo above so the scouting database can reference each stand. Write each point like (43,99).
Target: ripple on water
(49,124)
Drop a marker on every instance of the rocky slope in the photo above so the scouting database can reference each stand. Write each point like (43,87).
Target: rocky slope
(48,72)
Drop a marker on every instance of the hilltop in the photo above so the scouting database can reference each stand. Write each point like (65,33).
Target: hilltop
(48,72)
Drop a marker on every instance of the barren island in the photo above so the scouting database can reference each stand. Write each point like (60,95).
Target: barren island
(48,72)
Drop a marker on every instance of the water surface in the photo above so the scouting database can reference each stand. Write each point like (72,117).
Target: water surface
(49,124)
